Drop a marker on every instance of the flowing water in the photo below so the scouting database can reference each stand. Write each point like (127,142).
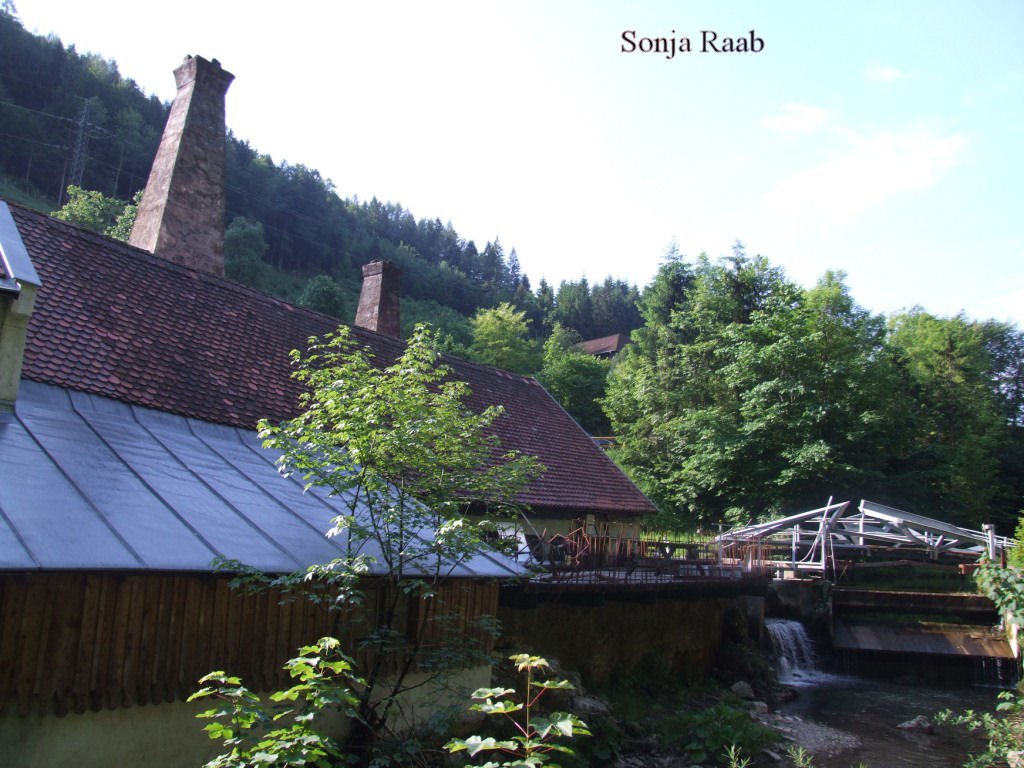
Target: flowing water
(871,709)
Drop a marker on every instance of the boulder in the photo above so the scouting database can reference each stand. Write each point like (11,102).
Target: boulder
(742,689)
(919,723)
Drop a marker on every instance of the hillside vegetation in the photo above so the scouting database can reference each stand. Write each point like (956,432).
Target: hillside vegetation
(743,394)
(70,118)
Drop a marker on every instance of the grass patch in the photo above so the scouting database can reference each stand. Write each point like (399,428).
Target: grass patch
(18,192)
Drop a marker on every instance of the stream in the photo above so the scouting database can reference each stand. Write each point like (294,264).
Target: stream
(870,709)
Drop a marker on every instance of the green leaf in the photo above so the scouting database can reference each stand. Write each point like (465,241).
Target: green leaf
(476,744)
(491,693)
(497,708)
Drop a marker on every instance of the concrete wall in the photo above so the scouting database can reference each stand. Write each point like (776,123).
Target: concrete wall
(600,639)
(162,735)
(798,598)
(154,736)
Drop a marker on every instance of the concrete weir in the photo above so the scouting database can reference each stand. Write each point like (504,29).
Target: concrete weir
(917,622)
(895,633)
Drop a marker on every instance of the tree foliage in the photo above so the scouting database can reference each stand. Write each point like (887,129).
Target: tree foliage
(323,294)
(534,738)
(501,337)
(1003,729)
(423,482)
(575,379)
(745,396)
(258,734)
(94,210)
(959,425)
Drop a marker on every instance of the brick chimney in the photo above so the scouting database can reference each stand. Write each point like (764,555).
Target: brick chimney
(378,301)
(182,213)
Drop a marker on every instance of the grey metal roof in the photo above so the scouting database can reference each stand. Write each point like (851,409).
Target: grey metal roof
(15,264)
(92,483)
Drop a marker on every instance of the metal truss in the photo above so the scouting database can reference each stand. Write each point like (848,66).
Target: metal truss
(818,536)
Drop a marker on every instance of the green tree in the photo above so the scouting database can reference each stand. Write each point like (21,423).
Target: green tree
(452,330)
(121,229)
(743,395)
(959,426)
(255,734)
(575,379)
(614,308)
(501,337)
(543,308)
(94,210)
(574,307)
(323,294)
(1016,555)
(244,250)
(422,480)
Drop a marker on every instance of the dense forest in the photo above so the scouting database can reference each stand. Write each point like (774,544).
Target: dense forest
(745,395)
(73,119)
(742,394)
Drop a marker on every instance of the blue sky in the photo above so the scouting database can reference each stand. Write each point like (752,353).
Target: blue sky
(881,139)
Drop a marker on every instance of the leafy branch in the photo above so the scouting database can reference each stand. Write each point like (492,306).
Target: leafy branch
(257,735)
(534,734)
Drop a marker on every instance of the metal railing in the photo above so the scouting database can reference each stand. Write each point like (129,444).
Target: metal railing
(602,555)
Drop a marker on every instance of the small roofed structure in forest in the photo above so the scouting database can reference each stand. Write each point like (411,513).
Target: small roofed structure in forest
(604,347)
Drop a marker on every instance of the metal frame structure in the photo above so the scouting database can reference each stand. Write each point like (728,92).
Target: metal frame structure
(816,537)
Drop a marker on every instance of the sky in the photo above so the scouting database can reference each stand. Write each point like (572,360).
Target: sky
(883,139)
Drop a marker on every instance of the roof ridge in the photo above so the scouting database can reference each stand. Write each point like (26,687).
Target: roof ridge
(158,261)
(116,321)
(225,281)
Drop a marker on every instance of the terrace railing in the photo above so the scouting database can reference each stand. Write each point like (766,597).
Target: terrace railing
(602,555)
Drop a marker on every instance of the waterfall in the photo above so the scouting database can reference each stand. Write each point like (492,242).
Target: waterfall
(796,659)
(996,673)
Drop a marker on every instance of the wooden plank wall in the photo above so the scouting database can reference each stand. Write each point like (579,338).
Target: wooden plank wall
(71,642)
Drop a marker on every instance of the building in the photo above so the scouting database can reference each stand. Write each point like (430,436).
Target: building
(130,385)
(605,347)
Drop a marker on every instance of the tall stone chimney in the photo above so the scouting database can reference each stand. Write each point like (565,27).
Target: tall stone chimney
(182,213)
(378,300)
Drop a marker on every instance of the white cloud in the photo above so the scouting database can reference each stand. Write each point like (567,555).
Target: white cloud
(798,119)
(880,74)
(867,170)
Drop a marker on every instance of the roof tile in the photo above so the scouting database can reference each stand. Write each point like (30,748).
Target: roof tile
(114,320)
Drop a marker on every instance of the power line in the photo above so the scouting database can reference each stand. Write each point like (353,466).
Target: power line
(38,112)
(33,141)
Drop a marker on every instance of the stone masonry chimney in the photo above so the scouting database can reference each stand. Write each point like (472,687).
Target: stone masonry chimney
(378,301)
(182,213)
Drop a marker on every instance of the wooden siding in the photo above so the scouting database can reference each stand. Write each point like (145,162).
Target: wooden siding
(71,642)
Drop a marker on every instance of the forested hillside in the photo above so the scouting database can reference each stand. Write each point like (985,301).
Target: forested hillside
(743,394)
(73,119)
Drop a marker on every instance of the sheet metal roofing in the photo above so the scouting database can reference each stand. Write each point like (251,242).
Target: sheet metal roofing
(91,483)
(116,321)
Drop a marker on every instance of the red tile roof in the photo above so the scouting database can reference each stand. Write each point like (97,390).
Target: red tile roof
(116,321)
